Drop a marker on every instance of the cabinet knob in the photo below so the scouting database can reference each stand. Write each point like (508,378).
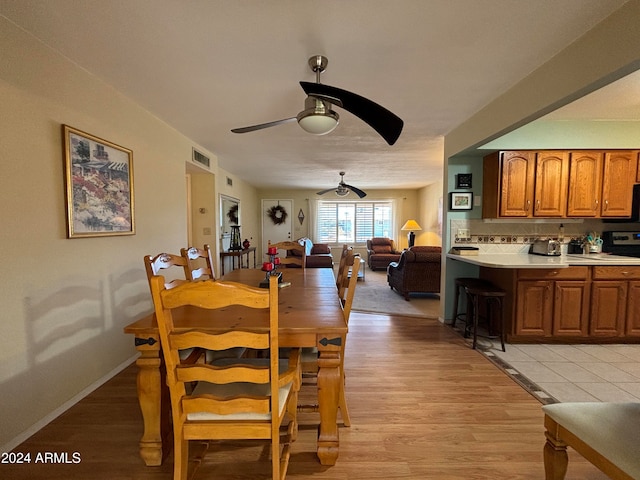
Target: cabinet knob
(554,272)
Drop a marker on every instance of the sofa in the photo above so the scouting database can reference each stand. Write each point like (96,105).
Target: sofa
(381,251)
(318,254)
(417,271)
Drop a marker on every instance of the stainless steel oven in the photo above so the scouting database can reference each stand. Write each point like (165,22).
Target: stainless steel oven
(621,243)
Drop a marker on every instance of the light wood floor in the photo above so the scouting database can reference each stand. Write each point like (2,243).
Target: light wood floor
(423,406)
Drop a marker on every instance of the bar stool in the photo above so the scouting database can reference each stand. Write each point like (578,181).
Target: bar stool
(492,296)
(461,284)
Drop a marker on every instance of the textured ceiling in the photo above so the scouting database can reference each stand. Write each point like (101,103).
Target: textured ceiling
(206,66)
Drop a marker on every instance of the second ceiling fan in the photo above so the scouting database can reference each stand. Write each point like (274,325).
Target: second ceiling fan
(318,117)
(343,189)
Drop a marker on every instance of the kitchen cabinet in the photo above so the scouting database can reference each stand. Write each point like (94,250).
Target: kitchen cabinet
(585,184)
(601,183)
(552,302)
(559,184)
(615,305)
(617,183)
(525,184)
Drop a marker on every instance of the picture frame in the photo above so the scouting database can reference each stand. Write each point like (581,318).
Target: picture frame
(98,186)
(464,180)
(460,201)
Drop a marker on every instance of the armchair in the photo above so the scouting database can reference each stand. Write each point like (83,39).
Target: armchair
(418,270)
(381,251)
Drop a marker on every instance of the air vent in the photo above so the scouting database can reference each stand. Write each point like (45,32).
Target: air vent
(201,158)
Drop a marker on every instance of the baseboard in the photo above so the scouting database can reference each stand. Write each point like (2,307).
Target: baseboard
(13,443)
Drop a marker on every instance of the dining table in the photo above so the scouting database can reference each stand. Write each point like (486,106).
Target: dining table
(310,315)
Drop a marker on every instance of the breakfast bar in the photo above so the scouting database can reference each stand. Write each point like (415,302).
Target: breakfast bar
(592,298)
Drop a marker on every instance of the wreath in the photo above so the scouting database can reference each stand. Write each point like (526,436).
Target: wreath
(232,214)
(277,214)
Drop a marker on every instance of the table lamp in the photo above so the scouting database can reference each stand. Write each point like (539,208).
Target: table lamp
(411,225)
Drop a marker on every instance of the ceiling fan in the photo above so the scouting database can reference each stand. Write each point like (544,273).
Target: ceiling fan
(319,119)
(343,189)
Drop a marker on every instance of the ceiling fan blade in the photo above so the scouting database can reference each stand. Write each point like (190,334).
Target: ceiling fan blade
(355,190)
(386,123)
(326,191)
(253,128)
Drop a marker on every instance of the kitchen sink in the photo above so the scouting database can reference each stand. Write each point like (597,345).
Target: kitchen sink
(593,256)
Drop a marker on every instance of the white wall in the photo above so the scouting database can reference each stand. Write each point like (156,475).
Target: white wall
(65,302)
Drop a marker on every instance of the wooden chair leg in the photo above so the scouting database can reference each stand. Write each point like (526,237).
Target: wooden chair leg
(556,459)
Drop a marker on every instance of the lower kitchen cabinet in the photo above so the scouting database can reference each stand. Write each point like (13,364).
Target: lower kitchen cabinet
(570,304)
(608,308)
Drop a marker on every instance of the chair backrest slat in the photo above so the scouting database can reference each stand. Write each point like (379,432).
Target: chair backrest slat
(200,264)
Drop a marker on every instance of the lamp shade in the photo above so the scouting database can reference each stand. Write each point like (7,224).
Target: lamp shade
(317,117)
(411,225)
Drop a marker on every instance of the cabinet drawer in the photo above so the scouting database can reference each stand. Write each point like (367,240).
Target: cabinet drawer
(616,273)
(574,273)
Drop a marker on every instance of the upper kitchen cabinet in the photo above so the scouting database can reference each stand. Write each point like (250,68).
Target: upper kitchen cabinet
(525,184)
(559,184)
(585,184)
(601,183)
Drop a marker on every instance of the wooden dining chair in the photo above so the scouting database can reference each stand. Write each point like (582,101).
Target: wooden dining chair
(199,263)
(158,265)
(310,355)
(235,400)
(179,264)
(296,254)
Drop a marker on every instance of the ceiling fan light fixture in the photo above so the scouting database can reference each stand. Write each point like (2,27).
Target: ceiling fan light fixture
(318,118)
(342,192)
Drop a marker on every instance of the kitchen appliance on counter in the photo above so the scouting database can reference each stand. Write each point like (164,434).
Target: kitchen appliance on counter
(626,244)
(549,247)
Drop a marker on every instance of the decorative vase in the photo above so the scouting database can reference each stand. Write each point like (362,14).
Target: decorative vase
(246,244)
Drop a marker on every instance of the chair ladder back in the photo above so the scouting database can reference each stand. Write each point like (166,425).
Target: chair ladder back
(341,266)
(351,282)
(154,265)
(232,399)
(288,246)
(200,264)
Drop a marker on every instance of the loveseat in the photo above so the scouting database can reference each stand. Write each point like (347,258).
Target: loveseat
(318,254)
(381,251)
(417,271)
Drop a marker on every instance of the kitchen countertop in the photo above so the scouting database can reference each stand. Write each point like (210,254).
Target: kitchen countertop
(525,260)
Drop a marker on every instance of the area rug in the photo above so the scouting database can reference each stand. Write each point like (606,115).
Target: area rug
(374,295)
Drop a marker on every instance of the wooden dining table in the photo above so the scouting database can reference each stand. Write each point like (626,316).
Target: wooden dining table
(310,315)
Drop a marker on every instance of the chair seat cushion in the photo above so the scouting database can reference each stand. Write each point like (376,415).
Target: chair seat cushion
(611,429)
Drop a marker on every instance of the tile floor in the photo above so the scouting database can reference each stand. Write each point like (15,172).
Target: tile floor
(572,373)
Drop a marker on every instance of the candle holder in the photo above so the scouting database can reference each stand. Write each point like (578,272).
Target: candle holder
(271,267)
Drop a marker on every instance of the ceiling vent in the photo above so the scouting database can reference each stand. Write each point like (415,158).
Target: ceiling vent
(201,158)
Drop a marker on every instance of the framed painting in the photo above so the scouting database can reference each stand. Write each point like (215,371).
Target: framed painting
(460,201)
(99,186)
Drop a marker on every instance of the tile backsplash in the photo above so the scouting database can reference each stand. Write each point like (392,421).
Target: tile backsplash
(516,237)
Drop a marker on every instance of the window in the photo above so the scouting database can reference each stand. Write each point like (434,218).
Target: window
(353,222)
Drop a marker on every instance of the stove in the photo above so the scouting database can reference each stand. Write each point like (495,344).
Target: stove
(621,243)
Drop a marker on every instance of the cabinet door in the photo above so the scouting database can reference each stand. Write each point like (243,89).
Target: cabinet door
(619,173)
(632,326)
(585,184)
(551,185)
(534,307)
(516,192)
(571,308)
(608,308)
